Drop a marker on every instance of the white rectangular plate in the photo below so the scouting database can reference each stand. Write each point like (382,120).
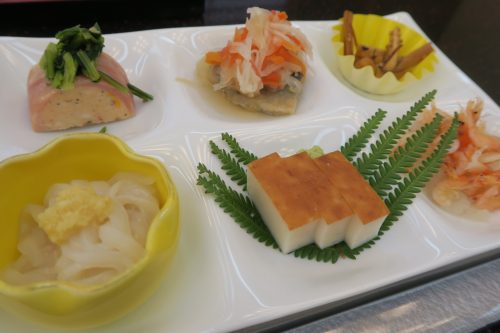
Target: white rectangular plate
(222,279)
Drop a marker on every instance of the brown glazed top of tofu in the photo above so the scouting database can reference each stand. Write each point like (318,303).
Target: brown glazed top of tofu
(299,190)
(364,201)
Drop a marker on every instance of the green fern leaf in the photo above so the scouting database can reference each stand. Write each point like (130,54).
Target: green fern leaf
(359,140)
(230,165)
(368,163)
(346,250)
(312,251)
(242,155)
(237,205)
(404,157)
(406,191)
(399,200)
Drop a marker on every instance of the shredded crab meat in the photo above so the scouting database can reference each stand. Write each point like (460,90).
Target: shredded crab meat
(268,52)
(473,166)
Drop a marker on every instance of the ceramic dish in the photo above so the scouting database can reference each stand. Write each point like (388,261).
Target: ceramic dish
(26,178)
(373,30)
(222,279)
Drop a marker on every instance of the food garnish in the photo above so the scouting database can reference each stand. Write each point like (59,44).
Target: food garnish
(381,60)
(397,178)
(263,67)
(471,171)
(75,54)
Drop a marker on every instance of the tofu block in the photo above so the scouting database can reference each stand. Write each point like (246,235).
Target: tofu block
(295,198)
(369,209)
(359,233)
(277,197)
(328,234)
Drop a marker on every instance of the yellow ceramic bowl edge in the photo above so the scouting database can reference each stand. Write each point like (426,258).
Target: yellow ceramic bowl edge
(69,304)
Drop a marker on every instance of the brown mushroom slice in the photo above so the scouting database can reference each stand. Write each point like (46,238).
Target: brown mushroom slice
(364,61)
(412,59)
(374,53)
(391,62)
(391,53)
(395,43)
(349,36)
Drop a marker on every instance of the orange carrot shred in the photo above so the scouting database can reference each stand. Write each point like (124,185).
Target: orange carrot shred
(213,58)
(296,41)
(290,57)
(240,34)
(282,16)
(272,80)
(291,46)
(275,59)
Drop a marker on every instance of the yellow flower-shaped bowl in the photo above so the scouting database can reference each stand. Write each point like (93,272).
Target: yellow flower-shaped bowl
(373,30)
(92,156)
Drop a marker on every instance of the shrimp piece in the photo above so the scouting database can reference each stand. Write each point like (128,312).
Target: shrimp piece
(472,168)
(490,157)
(484,190)
(473,164)
(492,160)
(484,140)
(476,133)
(448,191)
(490,199)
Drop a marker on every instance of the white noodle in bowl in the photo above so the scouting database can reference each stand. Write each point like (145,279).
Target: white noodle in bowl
(97,252)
